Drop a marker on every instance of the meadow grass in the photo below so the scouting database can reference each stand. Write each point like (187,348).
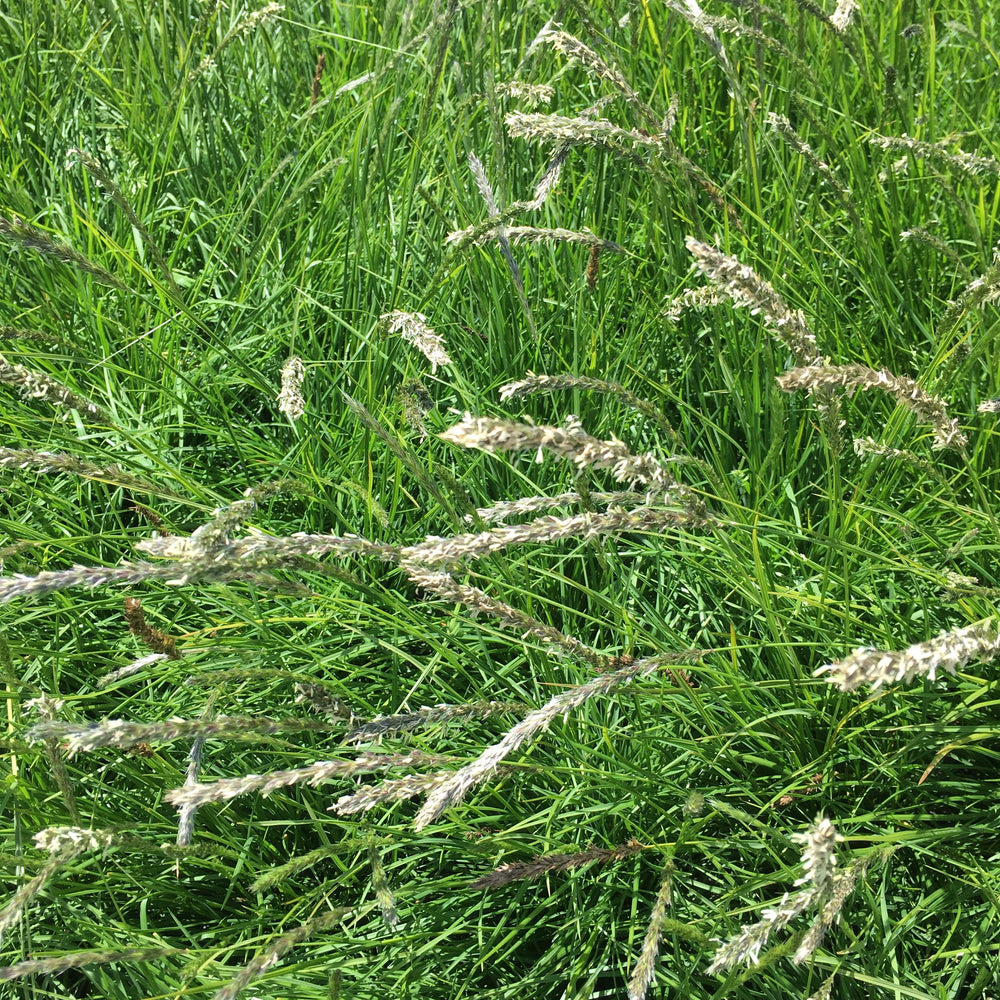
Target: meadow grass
(498,499)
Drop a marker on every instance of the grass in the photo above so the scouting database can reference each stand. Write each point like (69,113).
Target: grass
(232,207)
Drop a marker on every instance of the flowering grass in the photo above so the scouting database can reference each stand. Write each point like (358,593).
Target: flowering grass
(499,501)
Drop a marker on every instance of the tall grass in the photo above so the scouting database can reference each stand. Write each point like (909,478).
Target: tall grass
(499,500)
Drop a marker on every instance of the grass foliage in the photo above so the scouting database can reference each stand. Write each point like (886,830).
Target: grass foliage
(196,194)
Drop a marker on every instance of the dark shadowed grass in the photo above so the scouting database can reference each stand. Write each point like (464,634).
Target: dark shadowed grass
(280,220)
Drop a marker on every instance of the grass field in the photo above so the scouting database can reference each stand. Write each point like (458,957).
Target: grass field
(298,300)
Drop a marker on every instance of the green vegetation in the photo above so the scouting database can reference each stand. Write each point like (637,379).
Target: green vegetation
(235,460)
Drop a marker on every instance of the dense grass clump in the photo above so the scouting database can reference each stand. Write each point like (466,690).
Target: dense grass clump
(499,499)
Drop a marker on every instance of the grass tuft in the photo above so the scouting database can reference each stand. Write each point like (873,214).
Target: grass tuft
(347,655)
